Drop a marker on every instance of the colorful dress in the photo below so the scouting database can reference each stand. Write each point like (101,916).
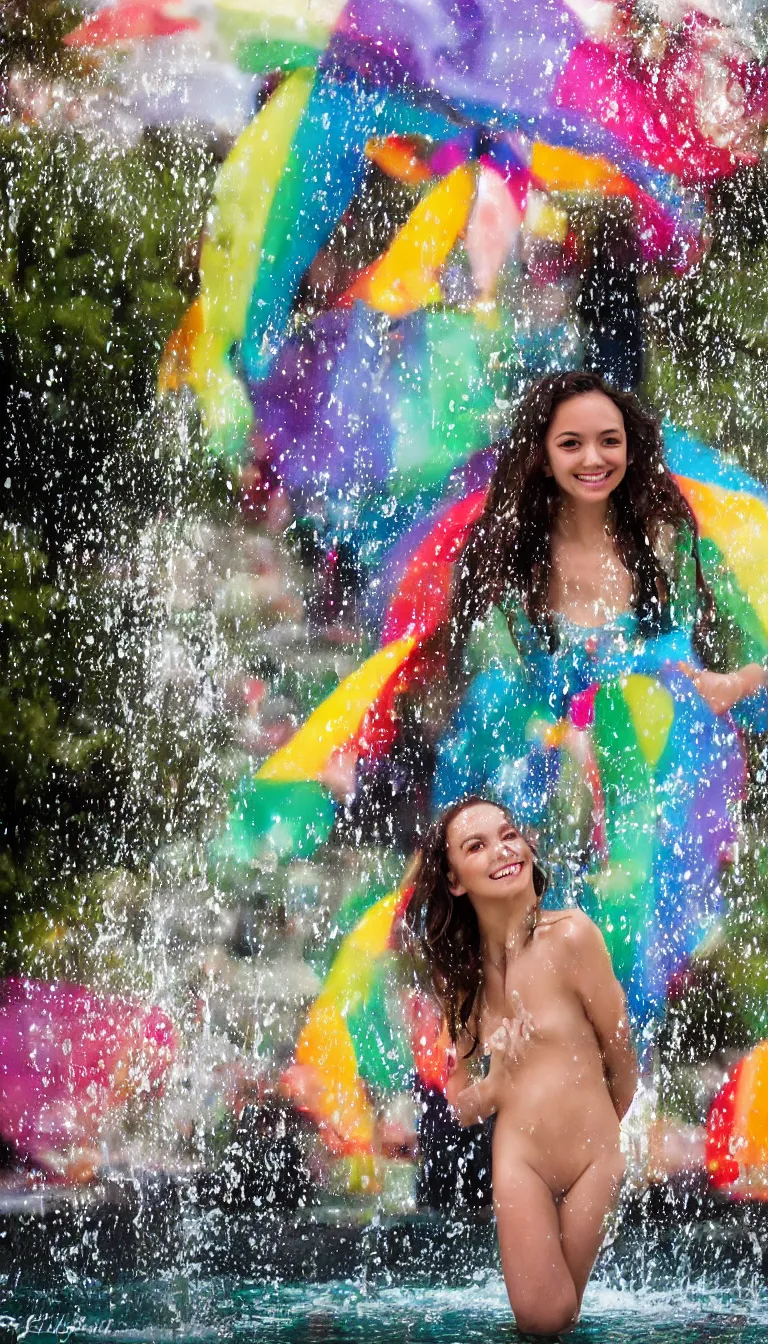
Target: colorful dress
(607,749)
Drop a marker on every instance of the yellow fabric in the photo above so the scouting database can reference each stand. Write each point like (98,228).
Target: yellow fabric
(243,195)
(750,1118)
(406,276)
(334,723)
(308,21)
(545,220)
(738,525)
(568,170)
(325,1045)
(349,979)
(652,712)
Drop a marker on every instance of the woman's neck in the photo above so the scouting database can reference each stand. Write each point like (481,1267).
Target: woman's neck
(583,523)
(504,933)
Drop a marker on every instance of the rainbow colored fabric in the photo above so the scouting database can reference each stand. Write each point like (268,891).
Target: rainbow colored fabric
(608,719)
(508,103)
(737,1128)
(606,746)
(377,399)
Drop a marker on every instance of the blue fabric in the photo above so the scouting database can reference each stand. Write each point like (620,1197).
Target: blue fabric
(668,824)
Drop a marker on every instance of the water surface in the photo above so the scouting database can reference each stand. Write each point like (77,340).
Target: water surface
(185,1311)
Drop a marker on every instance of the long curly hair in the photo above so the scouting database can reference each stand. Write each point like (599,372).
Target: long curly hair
(508,554)
(444,927)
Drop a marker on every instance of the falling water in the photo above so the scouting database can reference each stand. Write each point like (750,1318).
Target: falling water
(188,576)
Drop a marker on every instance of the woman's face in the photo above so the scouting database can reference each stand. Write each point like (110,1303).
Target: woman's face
(488,858)
(586,447)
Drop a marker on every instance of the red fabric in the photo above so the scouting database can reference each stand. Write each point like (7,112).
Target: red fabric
(134,19)
(723,1169)
(421,602)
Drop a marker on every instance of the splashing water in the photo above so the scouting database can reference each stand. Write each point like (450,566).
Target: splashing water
(358,367)
(343,1314)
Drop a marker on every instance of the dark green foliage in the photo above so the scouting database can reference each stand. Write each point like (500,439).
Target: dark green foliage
(97,262)
(31,39)
(97,761)
(53,783)
(709,328)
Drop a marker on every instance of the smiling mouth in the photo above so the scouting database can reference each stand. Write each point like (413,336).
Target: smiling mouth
(594,477)
(509,870)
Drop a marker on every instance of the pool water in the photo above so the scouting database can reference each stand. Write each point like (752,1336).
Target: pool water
(178,1310)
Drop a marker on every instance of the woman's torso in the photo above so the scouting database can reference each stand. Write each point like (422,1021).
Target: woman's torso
(597,634)
(556,1114)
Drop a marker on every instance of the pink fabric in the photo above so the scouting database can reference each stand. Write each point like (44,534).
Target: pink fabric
(656,120)
(127,22)
(582,708)
(69,1057)
(451,154)
(518,180)
(753,79)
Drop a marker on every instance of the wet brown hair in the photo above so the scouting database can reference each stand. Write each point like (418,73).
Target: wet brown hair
(508,554)
(445,928)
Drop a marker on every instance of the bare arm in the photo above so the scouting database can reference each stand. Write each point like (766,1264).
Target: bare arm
(471,1100)
(474,1100)
(606,1008)
(723,690)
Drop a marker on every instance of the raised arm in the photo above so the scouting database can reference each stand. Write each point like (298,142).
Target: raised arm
(724,690)
(605,1006)
(737,638)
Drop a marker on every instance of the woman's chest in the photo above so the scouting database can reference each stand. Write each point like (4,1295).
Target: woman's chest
(537,994)
(588,587)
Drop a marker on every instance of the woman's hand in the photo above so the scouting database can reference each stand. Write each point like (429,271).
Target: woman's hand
(723,690)
(474,1102)
(510,1041)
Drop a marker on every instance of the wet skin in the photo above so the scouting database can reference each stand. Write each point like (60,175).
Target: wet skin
(553,1018)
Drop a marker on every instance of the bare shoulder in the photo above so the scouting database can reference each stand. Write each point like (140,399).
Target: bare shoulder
(572,931)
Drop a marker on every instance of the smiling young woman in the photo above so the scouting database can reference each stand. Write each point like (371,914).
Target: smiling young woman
(586,642)
(531,995)
(586,452)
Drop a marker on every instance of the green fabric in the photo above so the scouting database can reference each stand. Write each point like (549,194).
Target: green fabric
(490,640)
(443,402)
(256,56)
(738,636)
(623,889)
(384,1058)
(271,819)
(347,917)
